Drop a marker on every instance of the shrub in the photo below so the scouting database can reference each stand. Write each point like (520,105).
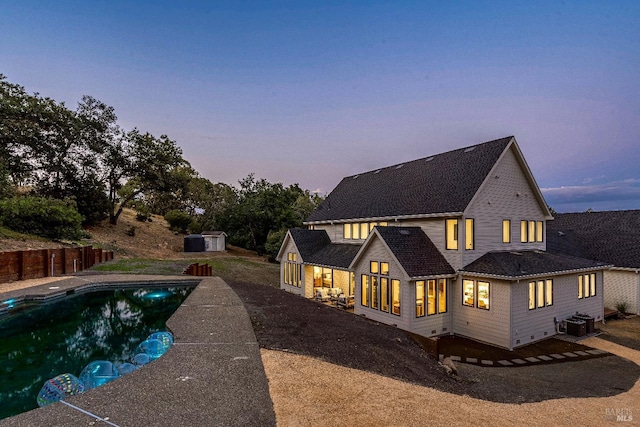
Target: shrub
(622,306)
(178,220)
(50,218)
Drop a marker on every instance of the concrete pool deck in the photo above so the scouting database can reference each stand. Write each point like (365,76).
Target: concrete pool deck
(212,375)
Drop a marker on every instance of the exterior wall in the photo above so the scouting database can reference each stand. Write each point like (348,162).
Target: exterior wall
(490,326)
(378,252)
(622,286)
(533,325)
(291,247)
(434,228)
(505,195)
(429,325)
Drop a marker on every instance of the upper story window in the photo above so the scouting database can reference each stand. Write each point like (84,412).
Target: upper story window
(359,230)
(531,231)
(469,234)
(586,285)
(451,233)
(506,231)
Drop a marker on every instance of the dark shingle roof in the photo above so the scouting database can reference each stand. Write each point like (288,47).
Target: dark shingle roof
(437,184)
(415,251)
(610,236)
(527,263)
(315,247)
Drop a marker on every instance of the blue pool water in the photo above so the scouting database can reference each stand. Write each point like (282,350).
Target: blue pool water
(40,341)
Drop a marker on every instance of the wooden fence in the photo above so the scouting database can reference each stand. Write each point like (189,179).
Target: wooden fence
(22,265)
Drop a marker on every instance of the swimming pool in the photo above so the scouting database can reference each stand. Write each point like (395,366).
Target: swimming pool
(39,341)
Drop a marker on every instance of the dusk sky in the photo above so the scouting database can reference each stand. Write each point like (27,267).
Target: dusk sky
(308,92)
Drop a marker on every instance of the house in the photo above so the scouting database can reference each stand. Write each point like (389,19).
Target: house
(453,243)
(214,241)
(612,237)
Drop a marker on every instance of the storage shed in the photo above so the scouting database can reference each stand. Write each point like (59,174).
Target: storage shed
(214,241)
(194,243)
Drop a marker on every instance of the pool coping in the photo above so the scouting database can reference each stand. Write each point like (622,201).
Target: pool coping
(212,375)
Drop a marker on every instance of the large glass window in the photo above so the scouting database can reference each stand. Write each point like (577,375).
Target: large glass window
(395,296)
(292,270)
(523,231)
(531,231)
(431,297)
(442,295)
(539,231)
(468,293)
(420,298)
(469,233)
(483,295)
(506,231)
(384,294)
(355,231)
(374,292)
(346,231)
(364,290)
(586,285)
(452,233)
(540,294)
(359,230)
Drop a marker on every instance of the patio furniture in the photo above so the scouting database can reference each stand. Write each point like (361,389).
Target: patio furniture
(322,294)
(345,301)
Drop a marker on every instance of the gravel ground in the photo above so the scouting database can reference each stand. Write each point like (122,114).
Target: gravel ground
(294,325)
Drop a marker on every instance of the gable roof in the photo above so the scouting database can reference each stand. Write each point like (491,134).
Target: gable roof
(525,264)
(315,247)
(412,249)
(443,183)
(609,236)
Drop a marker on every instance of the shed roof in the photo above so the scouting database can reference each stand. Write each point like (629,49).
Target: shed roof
(520,264)
(609,236)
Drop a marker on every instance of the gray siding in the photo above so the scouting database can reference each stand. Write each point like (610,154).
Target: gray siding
(622,286)
(506,194)
(490,326)
(532,325)
(377,251)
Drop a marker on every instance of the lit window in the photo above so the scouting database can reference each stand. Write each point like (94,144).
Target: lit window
(532,295)
(364,294)
(373,267)
(327,277)
(442,295)
(506,231)
(371,225)
(468,294)
(539,231)
(468,233)
(483,295)
(384,294)
(374,292)
(452,233)
(352,283)
(523,232)
(355,231)
(384,268)
(420,298)
(382,224)
(580,285)
(586,285)
(593,284)
(364,230)
(540,294)
(395,296)
(431,297)
(532,231)
(346,231)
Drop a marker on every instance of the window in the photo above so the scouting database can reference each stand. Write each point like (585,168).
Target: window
(395,296)
(531,231)
(468,293)
(374,292)
(292,270)
(346,231)
(468,233)
(364,288)
(420,298)
(442,295)
(373,267)
(523,231)
(436,297)
(540,294)
(359,230)
(452,233)
(475,292)
(506,231)
(384,294)
(539,231)
(384,268)
(483,295)
(586,285)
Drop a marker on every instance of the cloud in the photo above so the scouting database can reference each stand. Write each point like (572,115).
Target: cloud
(617,195)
